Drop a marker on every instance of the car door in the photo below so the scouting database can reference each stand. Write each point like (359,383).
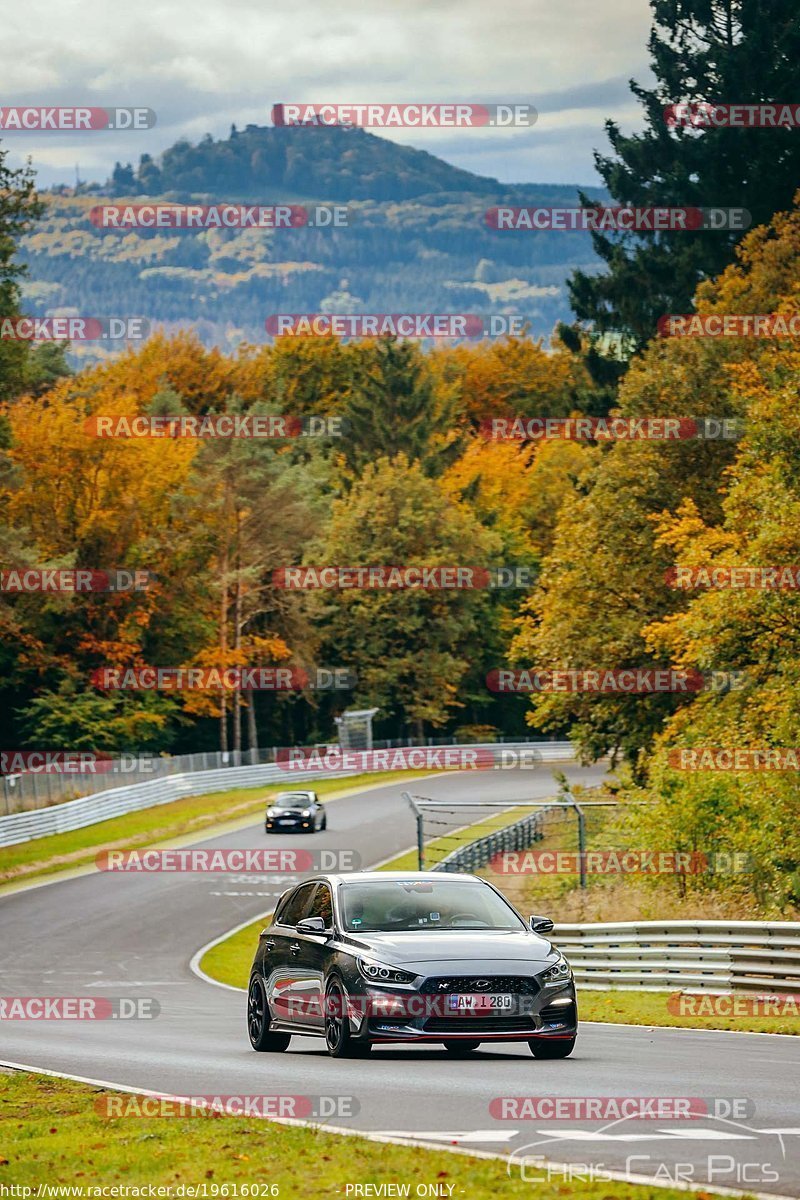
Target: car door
(314,951)
(287,982)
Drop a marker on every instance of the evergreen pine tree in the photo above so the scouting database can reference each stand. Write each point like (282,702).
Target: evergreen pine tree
(715,51)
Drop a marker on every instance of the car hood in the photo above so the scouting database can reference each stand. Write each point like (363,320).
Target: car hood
(472,948)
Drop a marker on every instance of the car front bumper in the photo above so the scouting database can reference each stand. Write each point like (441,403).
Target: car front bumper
(380,1015)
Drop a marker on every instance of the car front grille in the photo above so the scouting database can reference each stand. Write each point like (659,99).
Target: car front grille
(518,985)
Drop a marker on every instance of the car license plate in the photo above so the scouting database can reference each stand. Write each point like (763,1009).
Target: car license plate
(480,1003)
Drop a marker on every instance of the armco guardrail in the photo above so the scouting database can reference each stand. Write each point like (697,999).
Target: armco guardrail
(718,956)
(40,789)
(114,802)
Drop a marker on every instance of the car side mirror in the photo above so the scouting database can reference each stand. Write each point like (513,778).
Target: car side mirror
(540,924)
(312,925)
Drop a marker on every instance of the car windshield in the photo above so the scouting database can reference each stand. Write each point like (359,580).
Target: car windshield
(395,905)
(292,801)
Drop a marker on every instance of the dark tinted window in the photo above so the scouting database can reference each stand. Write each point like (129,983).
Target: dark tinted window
(280,908)
(322,905)
(293,801)
(404,904)
(295,906)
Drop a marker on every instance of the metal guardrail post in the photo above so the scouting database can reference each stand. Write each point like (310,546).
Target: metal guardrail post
(572,802)
(420,830)
(581,842)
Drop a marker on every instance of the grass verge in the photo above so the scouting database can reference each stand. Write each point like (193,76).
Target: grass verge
(194,814)
(650,1008)
(54,1135)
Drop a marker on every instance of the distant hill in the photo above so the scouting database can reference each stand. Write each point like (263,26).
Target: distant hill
(417,242)
(330,163)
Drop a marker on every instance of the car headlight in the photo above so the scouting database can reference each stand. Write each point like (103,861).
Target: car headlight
(560,972)
(271,812)
(378,972)
(306,812)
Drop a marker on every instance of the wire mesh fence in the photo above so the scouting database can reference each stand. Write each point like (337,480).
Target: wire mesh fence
(465,836)
(524,846)
(29,790)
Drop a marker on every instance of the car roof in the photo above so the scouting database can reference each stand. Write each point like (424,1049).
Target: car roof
(295,792)
(390,876)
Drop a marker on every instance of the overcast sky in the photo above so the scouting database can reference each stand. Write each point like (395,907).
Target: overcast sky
(202,64)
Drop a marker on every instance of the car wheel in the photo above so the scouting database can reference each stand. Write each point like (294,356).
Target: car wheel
(460,1049)
(324,824)
(547,1049)
(338,1039)
(258,1020)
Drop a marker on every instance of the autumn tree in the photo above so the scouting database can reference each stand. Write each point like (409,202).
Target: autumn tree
(604,581)
(410,648)
(257,507)
(751,638)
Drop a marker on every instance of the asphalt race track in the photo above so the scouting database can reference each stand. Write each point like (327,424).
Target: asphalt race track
(115,935)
